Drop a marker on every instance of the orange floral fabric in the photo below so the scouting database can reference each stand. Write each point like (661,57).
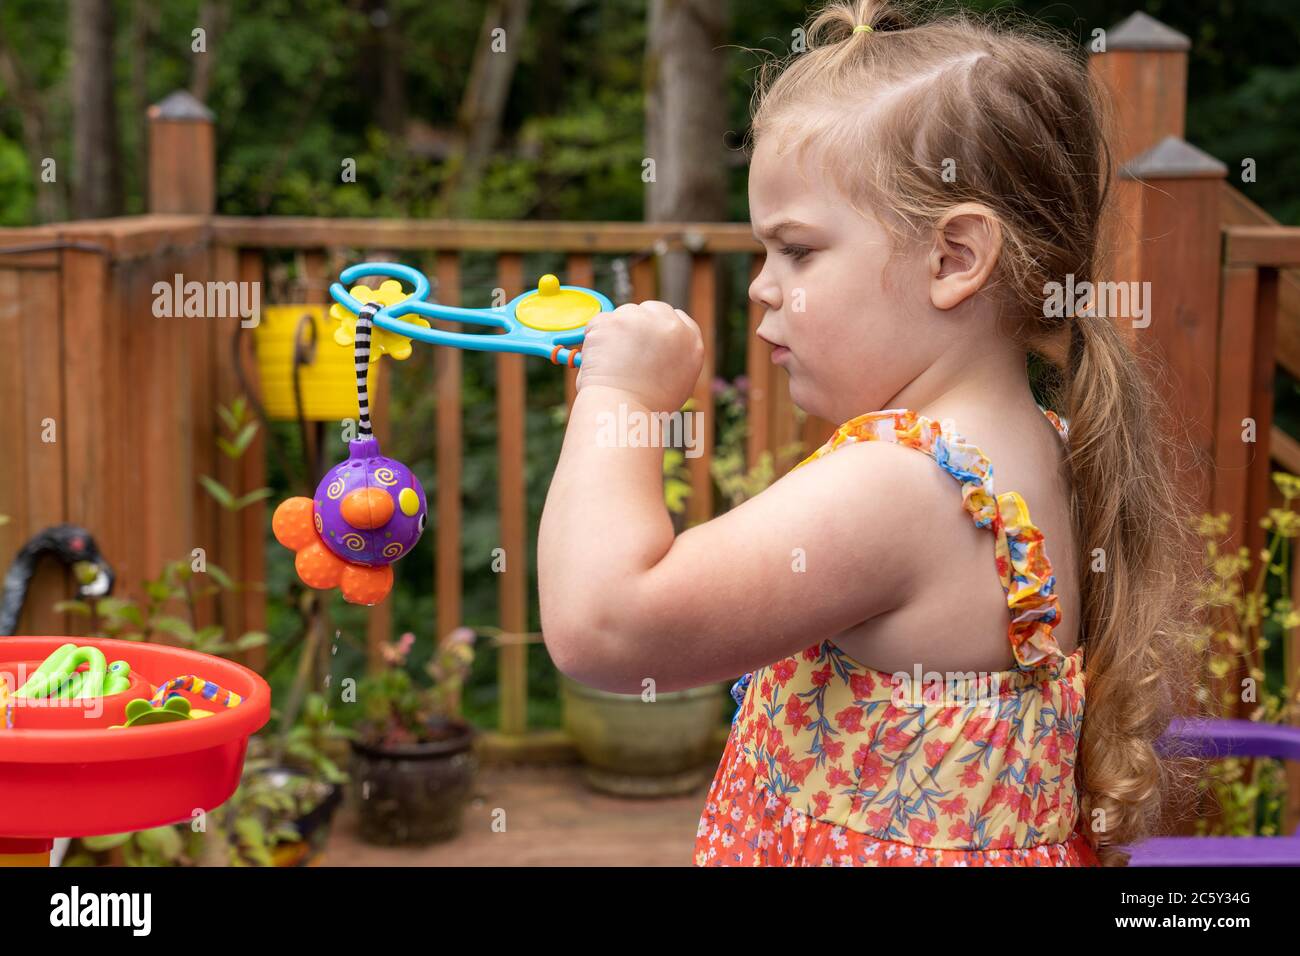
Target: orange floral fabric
(833,763)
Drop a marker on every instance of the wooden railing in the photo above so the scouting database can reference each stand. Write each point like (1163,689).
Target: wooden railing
(1253,323)
(1258,314)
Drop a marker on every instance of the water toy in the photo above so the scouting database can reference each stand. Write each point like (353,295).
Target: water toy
(370,510)
(141,712)
(549,321)
(68,772)
(367,512)
(168,705)
(73,546)
(58,676)
(171,690)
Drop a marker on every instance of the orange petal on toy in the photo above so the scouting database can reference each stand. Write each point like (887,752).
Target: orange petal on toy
(293,523)
(318,566)
(364,585)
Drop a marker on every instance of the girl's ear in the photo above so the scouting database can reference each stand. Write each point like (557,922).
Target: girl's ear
(967,243)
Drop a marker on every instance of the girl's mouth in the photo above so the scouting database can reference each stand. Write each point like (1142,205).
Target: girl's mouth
(778,353)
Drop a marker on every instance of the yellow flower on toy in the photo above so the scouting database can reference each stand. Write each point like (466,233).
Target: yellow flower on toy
(382,342)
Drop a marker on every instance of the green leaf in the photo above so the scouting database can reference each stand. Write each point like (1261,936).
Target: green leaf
(285,833)
(676,493)
(330,770)
(249,830)
(251,497)
(177,626)
(218,491)
(80,608)
(229,418)
(251,639)
(244,439)
(209,633)
(120,611)
(220,576)
(164,841)
(159,591)
(109,841)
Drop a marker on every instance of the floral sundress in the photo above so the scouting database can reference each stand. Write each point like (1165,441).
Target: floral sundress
(833,763)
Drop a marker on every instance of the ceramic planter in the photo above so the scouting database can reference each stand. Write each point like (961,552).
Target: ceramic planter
(413,794)
(631,747)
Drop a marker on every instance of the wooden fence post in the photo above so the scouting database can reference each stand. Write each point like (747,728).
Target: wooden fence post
(1143,68)
(182,180)
(34,432)
(1178,264)
(182,156)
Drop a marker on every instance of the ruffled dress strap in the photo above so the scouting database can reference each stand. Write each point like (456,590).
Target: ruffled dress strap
(1018,547)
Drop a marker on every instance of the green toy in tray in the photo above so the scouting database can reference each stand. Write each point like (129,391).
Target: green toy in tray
(59,676)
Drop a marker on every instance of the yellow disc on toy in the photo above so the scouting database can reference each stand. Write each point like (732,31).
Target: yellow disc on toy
(554,309)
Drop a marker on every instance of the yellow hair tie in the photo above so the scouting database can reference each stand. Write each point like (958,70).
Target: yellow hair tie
(862,28)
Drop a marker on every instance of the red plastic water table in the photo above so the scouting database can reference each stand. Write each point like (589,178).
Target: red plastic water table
(64,772)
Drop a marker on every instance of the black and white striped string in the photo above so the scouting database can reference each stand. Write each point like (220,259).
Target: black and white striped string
(361,361)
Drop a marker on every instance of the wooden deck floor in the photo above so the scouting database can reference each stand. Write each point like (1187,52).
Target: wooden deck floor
(552,819)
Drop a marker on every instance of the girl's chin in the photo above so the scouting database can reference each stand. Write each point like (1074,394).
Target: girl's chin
(807,399)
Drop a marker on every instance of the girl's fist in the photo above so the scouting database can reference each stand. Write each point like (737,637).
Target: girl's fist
(651,350)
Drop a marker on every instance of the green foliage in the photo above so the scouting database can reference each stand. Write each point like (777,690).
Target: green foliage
(1255,121)
(17,190)
(736,480)
(311,741)
(1243,625)
(297,86)
(179,583)
(677,486)
(158,846)
(397,709)
(242,429)
(243,831)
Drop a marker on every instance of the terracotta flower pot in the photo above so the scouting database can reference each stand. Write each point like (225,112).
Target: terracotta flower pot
(413,794)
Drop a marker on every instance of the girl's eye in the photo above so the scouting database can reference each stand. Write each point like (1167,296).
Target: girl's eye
(797,253)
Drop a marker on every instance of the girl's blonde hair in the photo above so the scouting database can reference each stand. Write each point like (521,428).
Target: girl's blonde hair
(911,119)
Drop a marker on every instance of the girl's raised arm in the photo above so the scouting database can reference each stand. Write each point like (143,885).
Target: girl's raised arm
(822,549)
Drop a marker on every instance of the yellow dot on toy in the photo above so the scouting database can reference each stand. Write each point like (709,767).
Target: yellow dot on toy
(409,501)
(553,309)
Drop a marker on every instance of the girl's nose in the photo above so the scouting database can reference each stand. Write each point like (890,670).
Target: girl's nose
(764,292)
(367,508)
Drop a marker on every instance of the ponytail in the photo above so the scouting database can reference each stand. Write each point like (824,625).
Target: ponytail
(1138,560)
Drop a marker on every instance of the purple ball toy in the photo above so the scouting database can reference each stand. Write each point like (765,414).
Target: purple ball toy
(369,509)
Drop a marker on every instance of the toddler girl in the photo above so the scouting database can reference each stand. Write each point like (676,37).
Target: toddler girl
(919,646)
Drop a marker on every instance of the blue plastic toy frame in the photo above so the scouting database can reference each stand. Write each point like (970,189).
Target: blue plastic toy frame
(517,337)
